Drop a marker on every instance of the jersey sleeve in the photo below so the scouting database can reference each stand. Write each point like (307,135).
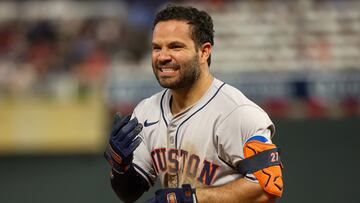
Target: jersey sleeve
(143,163)
(142,157)
(241,125)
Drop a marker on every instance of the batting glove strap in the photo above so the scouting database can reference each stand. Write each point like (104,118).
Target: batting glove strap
(188,190)
(185,194)
(119,167)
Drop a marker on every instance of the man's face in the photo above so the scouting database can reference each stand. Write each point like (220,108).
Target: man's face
(175,60)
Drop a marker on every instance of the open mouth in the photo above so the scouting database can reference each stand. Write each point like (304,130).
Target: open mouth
(168,70)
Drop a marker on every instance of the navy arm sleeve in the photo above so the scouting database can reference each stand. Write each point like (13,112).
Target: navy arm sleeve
(128,186)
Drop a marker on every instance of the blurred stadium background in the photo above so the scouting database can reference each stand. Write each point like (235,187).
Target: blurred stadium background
(67,66)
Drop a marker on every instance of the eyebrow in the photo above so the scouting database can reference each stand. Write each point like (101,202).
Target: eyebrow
(171,43)
(155,45)
(177,43)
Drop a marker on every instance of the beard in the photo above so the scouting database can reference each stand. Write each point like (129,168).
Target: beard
(188,74)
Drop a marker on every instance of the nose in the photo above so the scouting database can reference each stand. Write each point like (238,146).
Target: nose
(164,56)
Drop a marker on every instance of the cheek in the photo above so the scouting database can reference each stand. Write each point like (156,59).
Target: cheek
(181,58)
(153,57)
(153,60)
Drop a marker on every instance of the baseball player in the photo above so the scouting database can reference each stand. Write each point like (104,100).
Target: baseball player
(202,138)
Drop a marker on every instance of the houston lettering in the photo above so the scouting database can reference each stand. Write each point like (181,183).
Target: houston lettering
(175,161)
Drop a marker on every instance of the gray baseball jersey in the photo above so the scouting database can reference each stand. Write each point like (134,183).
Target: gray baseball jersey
(201,145)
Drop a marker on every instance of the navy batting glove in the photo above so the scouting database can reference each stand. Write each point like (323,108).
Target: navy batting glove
(122,142)
(185,194)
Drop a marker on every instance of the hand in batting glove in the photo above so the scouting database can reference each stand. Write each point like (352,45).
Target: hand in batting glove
(185,194)
(123,141)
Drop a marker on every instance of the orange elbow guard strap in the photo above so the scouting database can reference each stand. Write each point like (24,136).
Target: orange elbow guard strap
(263,160)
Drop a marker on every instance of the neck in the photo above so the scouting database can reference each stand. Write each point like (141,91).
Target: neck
(185,97)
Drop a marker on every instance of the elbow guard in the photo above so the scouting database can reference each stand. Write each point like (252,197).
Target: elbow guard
(263,160)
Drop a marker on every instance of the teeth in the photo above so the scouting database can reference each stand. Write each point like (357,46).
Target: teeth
(167,70)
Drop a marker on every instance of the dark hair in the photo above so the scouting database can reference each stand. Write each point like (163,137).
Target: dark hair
(200,23)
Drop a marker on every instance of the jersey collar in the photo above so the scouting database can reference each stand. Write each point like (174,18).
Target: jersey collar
(165,103)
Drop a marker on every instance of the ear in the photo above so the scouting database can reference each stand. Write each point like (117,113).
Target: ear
(204,52)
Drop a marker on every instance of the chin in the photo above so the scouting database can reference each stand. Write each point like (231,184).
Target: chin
(167,85)
(167,82)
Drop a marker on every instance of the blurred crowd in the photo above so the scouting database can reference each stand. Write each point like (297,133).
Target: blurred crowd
(38,46)
(48,46)
(289,35)
(31,52)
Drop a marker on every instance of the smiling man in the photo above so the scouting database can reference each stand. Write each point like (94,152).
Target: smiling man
(202,138)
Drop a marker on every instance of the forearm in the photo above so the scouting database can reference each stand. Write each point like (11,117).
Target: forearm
(241,190)
(129,186)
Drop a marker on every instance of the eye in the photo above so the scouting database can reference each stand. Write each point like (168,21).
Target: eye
(176,46)
(156,48)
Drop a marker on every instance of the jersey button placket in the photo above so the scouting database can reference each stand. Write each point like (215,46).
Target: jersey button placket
(171,136)
(172,179)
